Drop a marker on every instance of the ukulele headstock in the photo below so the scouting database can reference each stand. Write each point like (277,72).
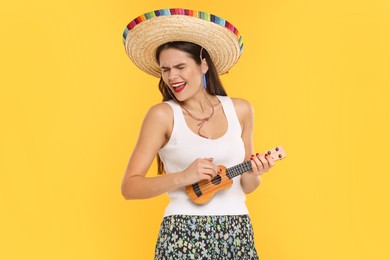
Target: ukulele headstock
(277,153)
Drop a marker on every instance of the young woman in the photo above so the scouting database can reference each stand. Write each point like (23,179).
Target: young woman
(195,129)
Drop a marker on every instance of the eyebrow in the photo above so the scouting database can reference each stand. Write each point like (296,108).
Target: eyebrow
(176,66)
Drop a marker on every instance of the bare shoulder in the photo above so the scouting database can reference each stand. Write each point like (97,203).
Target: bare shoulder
(158,123)
(160,115)
(160,112)
(243,107)
(244,112)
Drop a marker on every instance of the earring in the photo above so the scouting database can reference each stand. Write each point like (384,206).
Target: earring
(204,80)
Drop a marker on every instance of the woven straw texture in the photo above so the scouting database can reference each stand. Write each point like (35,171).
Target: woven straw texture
(142,41)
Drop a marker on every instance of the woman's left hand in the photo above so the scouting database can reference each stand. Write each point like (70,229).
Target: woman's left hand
(261,163)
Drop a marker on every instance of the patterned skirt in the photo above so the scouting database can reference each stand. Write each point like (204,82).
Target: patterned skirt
(206,237)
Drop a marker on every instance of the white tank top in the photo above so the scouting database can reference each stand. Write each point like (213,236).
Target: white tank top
(184,146)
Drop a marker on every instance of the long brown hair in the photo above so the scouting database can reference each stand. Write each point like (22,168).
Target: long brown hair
(214,84)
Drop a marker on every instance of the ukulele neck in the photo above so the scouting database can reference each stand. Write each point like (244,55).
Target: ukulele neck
(277,154)
(238,169)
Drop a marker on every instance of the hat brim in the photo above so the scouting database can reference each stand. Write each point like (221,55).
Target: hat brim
(146,33)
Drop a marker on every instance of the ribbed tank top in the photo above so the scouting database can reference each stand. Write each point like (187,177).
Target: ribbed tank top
(184,146)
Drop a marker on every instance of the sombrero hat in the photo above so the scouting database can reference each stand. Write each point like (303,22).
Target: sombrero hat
(146,33)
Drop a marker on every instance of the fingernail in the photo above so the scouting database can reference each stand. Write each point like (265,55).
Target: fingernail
(257,154)
(266,154)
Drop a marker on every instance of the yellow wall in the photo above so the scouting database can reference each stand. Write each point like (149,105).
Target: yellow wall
(71,102)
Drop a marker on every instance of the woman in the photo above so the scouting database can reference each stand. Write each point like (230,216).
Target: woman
(196,129)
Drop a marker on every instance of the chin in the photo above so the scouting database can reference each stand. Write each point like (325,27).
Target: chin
(180,98)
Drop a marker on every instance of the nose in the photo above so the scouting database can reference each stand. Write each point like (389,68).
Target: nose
(172,75)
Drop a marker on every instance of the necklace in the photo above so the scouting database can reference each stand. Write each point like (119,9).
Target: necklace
(201,120)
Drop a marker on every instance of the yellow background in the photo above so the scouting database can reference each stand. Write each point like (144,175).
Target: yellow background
(71,102)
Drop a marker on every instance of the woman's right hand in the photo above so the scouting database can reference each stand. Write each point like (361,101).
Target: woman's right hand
(200,169)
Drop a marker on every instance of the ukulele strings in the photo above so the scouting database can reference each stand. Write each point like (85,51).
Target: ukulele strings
(225,176)
(210,184)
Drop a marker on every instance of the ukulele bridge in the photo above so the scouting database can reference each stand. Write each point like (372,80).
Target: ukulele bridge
(197,190)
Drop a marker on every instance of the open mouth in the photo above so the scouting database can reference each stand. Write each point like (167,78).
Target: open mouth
(178,87)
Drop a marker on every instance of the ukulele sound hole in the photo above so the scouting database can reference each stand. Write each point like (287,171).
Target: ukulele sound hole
(216,180)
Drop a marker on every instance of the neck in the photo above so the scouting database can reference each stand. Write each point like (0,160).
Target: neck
(199,103)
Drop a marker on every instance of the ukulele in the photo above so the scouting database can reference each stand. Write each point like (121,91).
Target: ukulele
(202,191)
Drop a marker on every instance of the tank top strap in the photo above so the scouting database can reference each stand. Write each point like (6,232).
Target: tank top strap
(179,131)
(177,112)
(175,107)
(231,114)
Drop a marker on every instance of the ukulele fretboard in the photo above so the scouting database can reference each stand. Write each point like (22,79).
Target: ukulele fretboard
(238,169)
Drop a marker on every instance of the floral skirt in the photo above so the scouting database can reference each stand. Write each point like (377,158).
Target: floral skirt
(206,237)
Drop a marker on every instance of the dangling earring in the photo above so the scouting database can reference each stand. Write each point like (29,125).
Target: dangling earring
(203,74)
(204,80)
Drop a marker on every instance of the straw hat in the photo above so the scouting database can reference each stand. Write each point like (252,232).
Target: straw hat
(147,32)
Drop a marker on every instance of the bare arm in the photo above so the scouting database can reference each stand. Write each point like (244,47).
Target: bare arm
(260,164)
(155,132)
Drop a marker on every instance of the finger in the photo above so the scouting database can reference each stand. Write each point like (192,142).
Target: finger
(208,177)
(214,167)
(254,166)
(259,162)
(263,161)
(210,172)
(270,160)
(257,166)
(205,177)
(204,173)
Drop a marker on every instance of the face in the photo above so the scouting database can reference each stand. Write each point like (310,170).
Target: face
(181,73)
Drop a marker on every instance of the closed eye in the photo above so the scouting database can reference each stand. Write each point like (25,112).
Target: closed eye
(178,66)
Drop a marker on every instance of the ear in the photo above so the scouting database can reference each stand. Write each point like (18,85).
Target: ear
(204,66)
